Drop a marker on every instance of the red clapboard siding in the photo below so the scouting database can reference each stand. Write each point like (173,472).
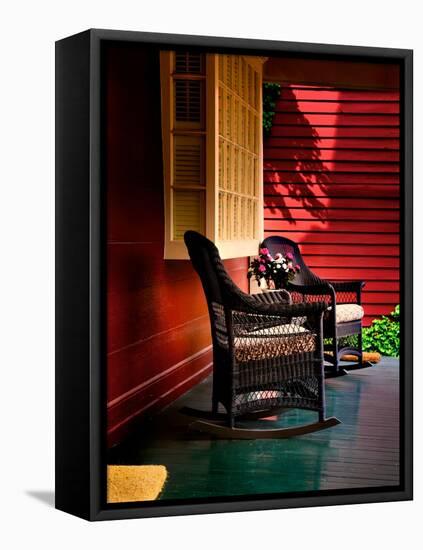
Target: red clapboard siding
(380,297)
(321,166)
(272,175)
(297,153)
(347,190)
(357,273)
(345,107)
(338,96)
(331,183)
(338,144)
(352,261)
(294,130)
(382,286)
(351,249)
(333,225)
(274,212)
(319,119)
(301,153)
(323,237)
(335,203)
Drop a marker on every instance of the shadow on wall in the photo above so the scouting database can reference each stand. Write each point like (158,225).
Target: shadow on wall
(301,170)
(331,173)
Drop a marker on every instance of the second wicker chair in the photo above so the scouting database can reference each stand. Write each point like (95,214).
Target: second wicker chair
(343,299)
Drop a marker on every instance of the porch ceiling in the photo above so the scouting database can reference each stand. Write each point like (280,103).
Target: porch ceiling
(350,74)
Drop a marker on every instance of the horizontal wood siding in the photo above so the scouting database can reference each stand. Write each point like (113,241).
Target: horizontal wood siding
(331,183)
(158,332)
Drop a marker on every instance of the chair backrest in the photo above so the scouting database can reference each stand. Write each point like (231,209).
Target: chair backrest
(276,244)
(221,292)
(208,264)
(218,286)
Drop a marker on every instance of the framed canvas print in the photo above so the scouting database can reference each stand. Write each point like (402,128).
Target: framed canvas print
(234,274)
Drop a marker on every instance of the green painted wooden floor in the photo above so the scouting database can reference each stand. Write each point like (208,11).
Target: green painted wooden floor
(363,451)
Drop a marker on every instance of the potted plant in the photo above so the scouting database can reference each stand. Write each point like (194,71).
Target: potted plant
(272,273)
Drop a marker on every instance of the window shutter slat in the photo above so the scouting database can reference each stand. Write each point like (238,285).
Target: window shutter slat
(188,160)
(189,63)
(188,101)
(188,212)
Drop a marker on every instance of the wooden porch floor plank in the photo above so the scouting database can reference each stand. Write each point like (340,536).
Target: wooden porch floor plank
(363,451)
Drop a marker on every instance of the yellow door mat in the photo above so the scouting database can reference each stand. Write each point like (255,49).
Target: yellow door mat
(134,483)
(368,356)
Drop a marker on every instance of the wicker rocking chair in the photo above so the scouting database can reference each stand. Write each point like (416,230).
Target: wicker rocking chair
(344,314)
(267,353)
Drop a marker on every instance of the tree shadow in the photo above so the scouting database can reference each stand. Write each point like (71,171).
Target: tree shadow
(301,171)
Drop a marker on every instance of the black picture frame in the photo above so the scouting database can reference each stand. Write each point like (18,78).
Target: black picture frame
(81,276)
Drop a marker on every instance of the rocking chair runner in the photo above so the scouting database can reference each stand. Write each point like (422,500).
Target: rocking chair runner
(267,353)
(344,314)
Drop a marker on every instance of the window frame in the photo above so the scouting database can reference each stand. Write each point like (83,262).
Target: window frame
(228,248)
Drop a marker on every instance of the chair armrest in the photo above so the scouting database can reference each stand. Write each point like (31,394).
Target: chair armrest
(344,290)
(250,314)
(272,303)
(274,297)
(324,288)
(303,309)
(313,293)
(345,286)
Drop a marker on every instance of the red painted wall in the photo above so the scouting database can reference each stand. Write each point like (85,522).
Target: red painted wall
(158,331)
(331,173)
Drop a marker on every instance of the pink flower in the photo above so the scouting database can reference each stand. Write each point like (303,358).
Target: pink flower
(298,267)
(290,256)
(262,268)
(290,265)
(264,251)
(262,261)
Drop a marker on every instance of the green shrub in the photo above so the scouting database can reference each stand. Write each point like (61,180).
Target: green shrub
(383,335)
(271,93)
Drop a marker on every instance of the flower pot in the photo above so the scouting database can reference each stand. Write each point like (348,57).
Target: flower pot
(265,288)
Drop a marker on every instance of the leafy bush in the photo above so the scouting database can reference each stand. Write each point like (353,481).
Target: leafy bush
(383,335)
(271,93)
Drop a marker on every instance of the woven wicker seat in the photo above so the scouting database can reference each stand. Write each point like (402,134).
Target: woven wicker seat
(265,345)
(267,352)
(343,316)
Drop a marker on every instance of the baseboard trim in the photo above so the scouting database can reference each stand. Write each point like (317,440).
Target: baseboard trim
(150,405)
(133,391)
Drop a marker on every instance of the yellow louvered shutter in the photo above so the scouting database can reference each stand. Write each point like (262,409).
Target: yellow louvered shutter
(212,150)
